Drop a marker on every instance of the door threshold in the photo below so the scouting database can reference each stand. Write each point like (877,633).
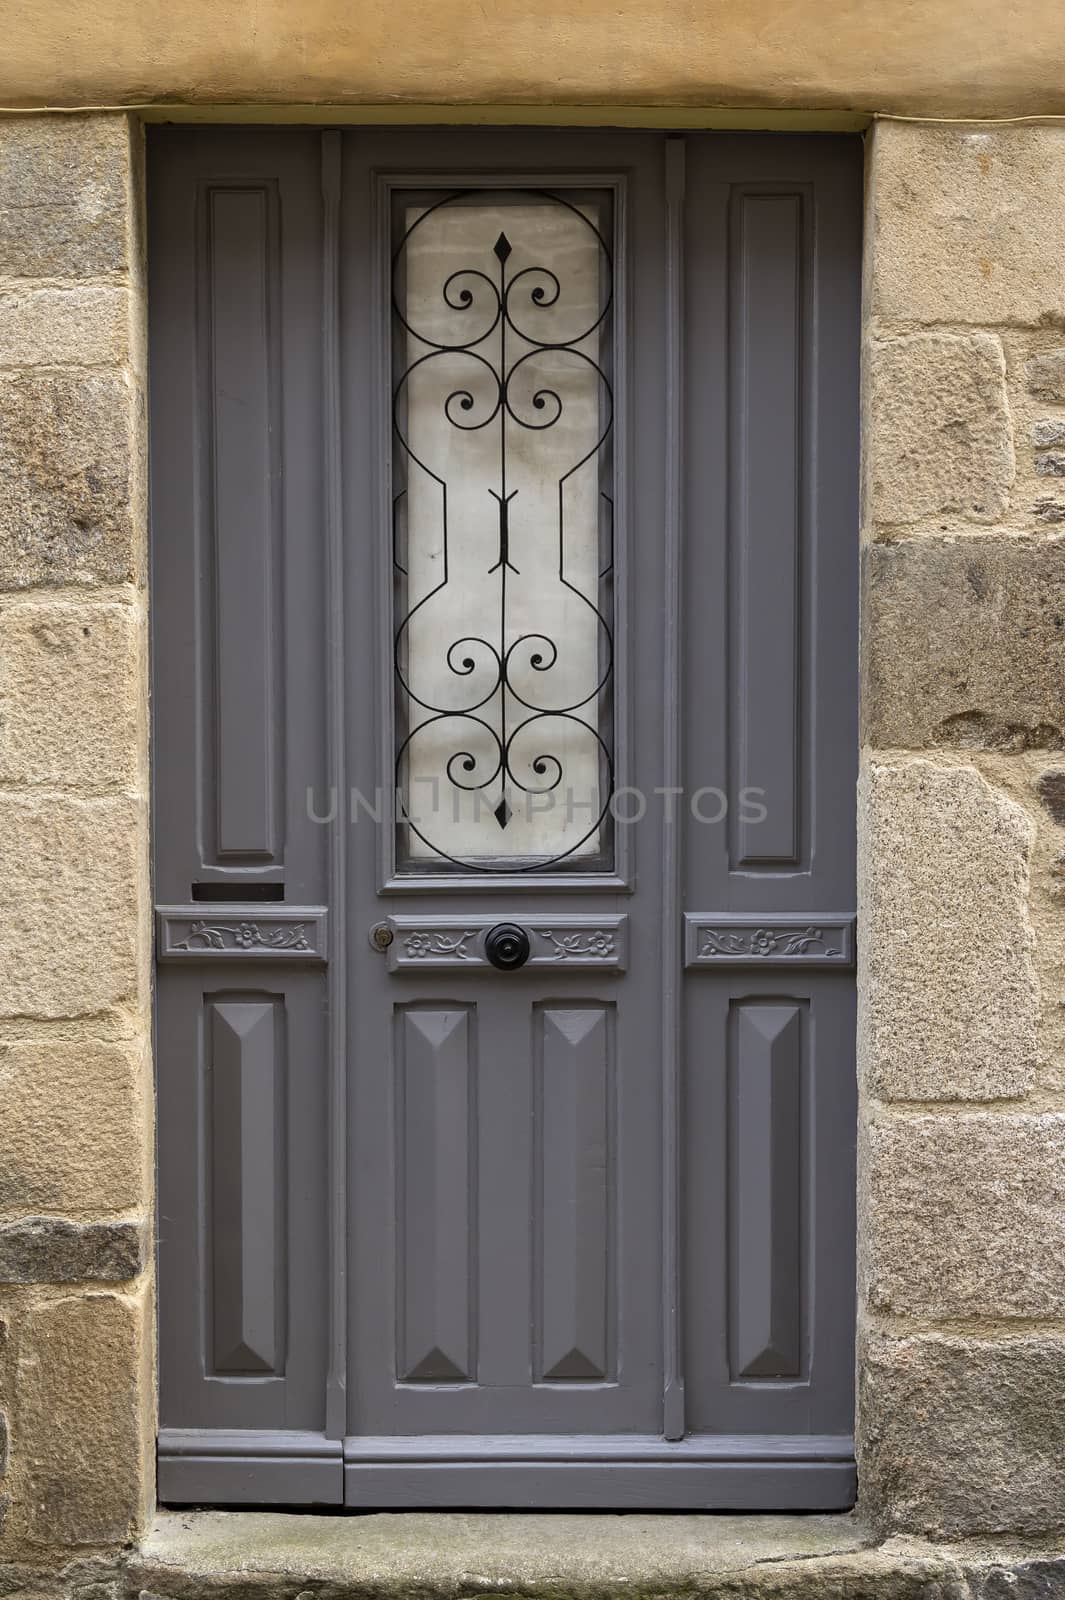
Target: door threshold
(755,1472)
(259,1555)
(249,1466)
(602,1471)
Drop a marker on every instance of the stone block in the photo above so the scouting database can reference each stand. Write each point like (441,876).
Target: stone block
(69,474)
(1051,790)
(1051,464)
(56,1250)
(64,196)
(965,1216)
(87,326)
(948,993)
(72,934)
(964,644)
(965,224)
(938,434)
(1044,377)
(963,1436)
(1050,430)
(71,682)
(595,1556)
(73,1135)
(1037,1577)
(83,1411)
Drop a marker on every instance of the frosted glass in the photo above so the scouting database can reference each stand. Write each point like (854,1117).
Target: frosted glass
(503,651)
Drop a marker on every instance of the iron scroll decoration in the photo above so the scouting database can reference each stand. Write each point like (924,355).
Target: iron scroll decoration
(500,713)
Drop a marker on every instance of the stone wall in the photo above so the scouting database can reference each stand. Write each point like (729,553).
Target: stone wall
(962,813)
(962,818)
(75,1081)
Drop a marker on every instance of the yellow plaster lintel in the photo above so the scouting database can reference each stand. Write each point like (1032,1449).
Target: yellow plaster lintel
(582,116)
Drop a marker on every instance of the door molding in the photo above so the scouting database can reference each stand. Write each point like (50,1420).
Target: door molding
(441,943)
(740,1473)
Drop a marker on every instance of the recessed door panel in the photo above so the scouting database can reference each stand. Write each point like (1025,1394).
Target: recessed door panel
(246,1064)
(770,290)
(574,1262)
(241,271)
(766,1091)
(766,1046)
(436,1156)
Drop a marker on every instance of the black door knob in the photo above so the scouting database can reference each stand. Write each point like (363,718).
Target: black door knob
(507,946)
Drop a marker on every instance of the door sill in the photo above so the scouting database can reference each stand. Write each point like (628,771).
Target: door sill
(581,1471)
(205,1466)
(756,1472)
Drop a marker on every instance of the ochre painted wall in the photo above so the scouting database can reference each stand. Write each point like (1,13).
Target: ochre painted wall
(925,57)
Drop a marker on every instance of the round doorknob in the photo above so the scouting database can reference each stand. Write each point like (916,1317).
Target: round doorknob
(507,946)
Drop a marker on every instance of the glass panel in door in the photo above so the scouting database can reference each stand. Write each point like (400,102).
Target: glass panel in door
(503,413)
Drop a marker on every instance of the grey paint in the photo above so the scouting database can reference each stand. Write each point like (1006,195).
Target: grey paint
(672,1310)
(336,768)
(235,241)
(436,1097)
(195,933)
(566,940)
(573,1178)
(579,1234)
(744,418)
(514,1129)
(766,1068)
(767,371)
(247,1070)
(791,939)
(243,263)
(250,1466)
(621,1470)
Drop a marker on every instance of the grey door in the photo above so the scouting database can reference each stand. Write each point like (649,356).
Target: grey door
(504,542)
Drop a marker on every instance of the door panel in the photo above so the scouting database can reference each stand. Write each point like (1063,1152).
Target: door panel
(504,560)
(241,1206)
(574,1055)
(534,636)
(247,1068)
(765,1139)
(770,484)
(766,1094)
(240,871)
(435,1162)
(770,562)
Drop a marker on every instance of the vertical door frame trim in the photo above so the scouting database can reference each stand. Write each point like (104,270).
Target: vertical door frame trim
(336,1380)
(673,1423)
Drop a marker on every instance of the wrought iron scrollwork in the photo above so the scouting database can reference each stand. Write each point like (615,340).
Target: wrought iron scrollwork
(497,708)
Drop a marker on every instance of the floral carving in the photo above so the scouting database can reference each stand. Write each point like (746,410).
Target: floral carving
(244,936)
(598,944)
(764,942)
(421,944)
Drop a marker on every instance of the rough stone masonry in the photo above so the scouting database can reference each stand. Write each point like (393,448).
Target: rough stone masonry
(962,936)
(75,1077)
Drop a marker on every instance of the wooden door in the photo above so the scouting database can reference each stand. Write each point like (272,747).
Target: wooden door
(504,541)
